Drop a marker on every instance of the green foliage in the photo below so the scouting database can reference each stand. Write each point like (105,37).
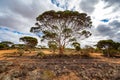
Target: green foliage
(109,47)
(86,33)
(29,41)
(2,46)
(52,45)
(63,27)
(76,45)
(6,44)
(105,44)
(19,46)
(96,50)
(77,48)
(111,53)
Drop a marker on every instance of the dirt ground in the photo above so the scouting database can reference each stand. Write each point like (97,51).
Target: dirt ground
(7,51)
(33,53)
(28,67)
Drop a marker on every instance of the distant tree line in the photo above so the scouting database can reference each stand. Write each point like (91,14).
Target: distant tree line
(109,48)
(29,42)
(6,44)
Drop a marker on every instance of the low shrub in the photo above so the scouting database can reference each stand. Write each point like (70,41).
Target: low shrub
(111,53)
(20,52)
(41,54)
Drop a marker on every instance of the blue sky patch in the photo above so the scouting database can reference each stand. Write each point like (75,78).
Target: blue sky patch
(58,4)
(105,20)
(15,32)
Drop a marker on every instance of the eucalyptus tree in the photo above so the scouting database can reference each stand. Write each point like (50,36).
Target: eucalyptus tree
(63,27)
(109,46)
(105,44)
(30,42)
(6,44)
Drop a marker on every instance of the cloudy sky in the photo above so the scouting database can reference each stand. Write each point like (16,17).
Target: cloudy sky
(18,16)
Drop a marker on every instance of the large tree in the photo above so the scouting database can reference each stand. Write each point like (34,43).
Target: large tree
(63,27)
(30,42)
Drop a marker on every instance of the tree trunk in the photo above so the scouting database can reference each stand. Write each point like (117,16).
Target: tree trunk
(53,51)
(61,49)
(108,53)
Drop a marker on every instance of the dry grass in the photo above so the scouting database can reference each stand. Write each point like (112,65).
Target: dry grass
(2,52)
(96,55)
(99,56)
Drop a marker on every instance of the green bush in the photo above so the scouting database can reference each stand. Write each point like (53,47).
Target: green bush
(3,46)
(77,48)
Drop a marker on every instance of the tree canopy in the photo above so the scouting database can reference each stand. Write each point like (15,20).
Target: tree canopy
(109,47)
(8,43)
(63,27)
(29,41)
(5,44)
(76,45)
(108,44)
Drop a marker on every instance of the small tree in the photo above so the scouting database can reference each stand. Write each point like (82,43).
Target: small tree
(108,46)
(30,42)
(6,44)
(76,45)
(63,27)
(2,46)
(52,45)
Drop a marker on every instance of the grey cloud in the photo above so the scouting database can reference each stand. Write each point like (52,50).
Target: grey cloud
(113,3)
(21,15)
(111,30)
(104,30)
(19,7)
(11,36)
(117,38)
(15,13)
(9,21)
(88,5)
(115,23)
